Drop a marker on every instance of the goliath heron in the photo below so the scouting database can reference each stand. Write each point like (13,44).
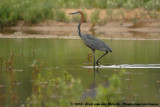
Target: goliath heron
(91,41)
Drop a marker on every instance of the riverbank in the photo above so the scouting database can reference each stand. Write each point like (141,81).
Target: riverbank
(131,26)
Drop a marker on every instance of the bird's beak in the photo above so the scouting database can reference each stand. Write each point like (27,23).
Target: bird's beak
(74,12)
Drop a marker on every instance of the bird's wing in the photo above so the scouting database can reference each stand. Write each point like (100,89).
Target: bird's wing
(95,43)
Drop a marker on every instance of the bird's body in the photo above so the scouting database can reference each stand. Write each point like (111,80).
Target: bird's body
(91,41)
(95,43)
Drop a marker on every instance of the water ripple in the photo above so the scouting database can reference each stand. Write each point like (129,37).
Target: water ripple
(127,66)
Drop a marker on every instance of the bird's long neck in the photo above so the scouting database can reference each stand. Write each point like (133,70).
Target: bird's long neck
(79,25)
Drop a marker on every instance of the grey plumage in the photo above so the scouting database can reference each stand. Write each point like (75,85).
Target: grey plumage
(95,43)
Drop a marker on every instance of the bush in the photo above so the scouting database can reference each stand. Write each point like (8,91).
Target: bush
(28,10)
(38,11)
(95,17)
(9,12)
(60,16)
(153,5)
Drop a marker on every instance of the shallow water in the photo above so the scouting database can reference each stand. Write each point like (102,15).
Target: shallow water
(127,66)
(139,58)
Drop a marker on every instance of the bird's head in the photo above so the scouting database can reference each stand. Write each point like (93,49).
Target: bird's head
(76,12)
(82,18)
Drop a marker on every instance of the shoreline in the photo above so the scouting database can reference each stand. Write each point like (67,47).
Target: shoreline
(66,37)
(127,27)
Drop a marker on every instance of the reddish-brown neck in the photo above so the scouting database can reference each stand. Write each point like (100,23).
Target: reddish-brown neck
(81,18)
(79,25)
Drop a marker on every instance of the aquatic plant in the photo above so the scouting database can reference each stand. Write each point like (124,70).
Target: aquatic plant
(8,80)
(1,63)
(7,64)
(109,94)
(60,90)
(50,90)
(64,90)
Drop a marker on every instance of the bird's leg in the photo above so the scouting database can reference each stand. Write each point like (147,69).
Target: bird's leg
(100,58)
(97,62)
(94,62)
(94,58)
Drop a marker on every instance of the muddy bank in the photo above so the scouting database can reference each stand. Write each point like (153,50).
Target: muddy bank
(53,29)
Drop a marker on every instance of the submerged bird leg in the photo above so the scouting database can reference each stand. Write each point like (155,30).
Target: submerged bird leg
(100,58)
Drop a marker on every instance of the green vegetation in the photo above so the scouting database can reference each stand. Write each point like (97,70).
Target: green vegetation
(65,89)
(33,11)
(103,4)
(60,16)
(95,17)
(37,11)
(50,90)
(29,10)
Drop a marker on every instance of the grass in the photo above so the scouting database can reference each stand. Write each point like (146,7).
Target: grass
(32,11)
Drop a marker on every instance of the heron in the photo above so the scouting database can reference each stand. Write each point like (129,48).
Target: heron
(92,42)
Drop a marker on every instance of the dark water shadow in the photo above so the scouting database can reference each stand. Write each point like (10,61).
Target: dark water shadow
(91,91)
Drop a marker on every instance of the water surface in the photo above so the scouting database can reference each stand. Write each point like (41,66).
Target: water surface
(58,55)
